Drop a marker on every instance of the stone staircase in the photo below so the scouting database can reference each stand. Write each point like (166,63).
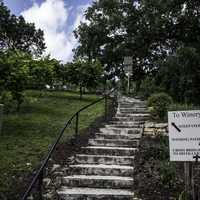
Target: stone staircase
(104,168)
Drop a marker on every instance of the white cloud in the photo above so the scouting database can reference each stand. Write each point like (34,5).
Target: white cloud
(52,17)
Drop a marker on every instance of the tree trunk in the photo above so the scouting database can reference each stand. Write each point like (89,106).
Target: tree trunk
(18,106)
(137,88)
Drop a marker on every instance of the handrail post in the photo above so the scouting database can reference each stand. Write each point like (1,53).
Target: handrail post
(106,107)
(40,183)
(76,128)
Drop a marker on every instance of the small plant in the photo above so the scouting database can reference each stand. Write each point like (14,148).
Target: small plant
(167,174)
(159,104)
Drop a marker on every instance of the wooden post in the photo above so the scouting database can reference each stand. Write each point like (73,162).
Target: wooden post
(106,107)
(76,126)
(40,183)
(187,180)
(128,83)
(192,182)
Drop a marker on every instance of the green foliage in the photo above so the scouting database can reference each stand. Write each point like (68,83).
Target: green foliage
(167,174)
(6,98)
(182,196)
(43,72)
(147,30)
(148,87)
(84,73)
(179,75)
(159,104)
(17,34)
(27,135)
(14,73)
(179,106)
(155,177)
(160,151)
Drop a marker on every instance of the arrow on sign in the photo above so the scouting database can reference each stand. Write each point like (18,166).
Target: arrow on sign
(176,127)
(196,157)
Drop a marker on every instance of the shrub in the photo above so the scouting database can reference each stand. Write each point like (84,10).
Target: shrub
(178,106)
(148,86)
(6,98)
(159,104)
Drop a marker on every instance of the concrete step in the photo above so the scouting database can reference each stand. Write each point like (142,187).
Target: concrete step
(114,151)
(114,143)
(114,182)
(132,105)
(102,170)
(117,136)
(124,126)
(128,123)
(104,159)
(77,193)
(135,115)
(133,110)
(120,131)
(130,119)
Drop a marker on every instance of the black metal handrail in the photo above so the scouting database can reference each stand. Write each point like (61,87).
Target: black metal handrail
(39,174)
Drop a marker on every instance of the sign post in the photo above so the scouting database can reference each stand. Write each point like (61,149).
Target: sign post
(128,62)
(184,143)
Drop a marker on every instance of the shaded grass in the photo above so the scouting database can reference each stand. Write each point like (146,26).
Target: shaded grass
(27,135)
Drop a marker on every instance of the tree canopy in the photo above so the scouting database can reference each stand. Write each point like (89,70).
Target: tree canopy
(146,30)
(17,34)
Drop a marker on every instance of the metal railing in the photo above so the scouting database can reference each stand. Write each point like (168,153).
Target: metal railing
(38,178)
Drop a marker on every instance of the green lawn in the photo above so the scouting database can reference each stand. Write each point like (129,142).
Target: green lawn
(27,135)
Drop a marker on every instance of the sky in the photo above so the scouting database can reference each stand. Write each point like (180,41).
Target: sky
(57,18)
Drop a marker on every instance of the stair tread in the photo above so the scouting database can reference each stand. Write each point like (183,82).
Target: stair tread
(103,166)
(103,156)
(113,148)
(114,140)
(117,135)
(95,191)
(97,177)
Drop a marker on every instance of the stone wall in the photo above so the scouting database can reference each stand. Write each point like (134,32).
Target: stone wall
(153,128)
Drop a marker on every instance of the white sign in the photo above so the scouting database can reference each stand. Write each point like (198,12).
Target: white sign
(128,60)
(184,135)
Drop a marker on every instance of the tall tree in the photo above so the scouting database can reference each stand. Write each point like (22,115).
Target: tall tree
(17,34)
(14,73)
(84,73)
(147,30)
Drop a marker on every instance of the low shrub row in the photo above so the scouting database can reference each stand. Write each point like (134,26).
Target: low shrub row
(160,103)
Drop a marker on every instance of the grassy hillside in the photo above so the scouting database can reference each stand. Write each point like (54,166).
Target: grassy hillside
(27,135)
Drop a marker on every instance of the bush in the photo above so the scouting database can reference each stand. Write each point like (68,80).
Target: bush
(148,87)
(178,106)
(159,104)
(6,98)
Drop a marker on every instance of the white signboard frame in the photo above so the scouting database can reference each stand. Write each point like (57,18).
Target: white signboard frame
(184,135)
(128,62)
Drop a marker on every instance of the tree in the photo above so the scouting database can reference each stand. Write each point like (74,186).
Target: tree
(147,30)
(17,34)
(101,38)
(43,72)
(14,73)
(179,75)
(83,73)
